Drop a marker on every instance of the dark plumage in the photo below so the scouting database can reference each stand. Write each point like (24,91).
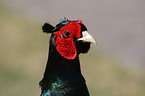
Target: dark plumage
(47,28)
(62,75)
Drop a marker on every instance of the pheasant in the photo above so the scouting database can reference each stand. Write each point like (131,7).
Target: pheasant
(62,76)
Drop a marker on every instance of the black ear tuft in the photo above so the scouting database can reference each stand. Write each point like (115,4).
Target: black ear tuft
(47,28)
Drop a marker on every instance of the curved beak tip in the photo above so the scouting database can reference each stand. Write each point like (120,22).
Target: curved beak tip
(87,38)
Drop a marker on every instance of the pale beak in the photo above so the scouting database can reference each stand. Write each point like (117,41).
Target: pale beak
(87,38)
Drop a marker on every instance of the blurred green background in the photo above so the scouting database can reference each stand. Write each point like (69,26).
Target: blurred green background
(23,55)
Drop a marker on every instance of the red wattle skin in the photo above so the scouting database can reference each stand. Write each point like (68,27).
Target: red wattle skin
(66,46)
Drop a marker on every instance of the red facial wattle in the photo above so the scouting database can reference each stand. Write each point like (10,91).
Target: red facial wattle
(65,46)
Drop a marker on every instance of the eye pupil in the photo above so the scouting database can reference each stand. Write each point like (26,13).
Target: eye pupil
(66,34)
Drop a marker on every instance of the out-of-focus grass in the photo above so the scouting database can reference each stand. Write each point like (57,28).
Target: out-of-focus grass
(106,77)
(23,54)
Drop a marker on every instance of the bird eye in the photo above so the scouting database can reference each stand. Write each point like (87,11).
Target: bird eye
(66,34)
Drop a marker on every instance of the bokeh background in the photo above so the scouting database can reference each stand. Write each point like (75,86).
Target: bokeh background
(115,67)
